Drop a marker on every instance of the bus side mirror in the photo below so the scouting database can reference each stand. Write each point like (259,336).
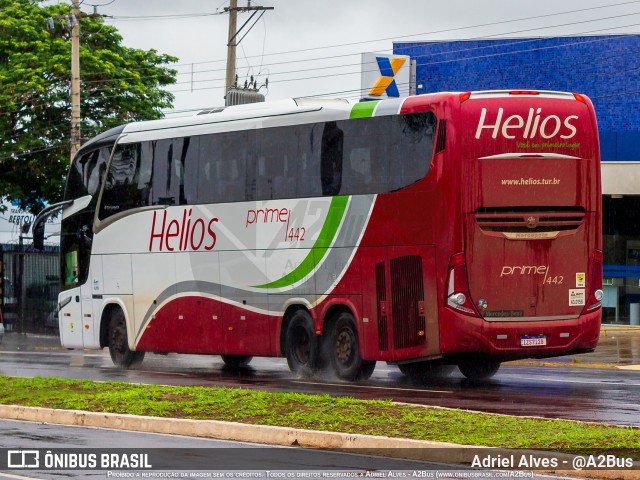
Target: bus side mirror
(41,218)
(38,236)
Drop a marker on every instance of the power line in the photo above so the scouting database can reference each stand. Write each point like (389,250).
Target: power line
(448,30)
(412,35)
(41,150)
(459,28)
(414,57)
(352,73)
(564,45)
(102,97)
(177,16)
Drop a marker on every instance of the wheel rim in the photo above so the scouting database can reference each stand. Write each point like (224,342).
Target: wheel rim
(344,346)
(302,346)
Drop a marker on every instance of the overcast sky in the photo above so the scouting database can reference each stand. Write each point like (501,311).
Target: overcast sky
(296,47)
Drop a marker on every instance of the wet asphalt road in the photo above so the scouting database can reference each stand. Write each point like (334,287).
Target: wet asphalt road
(171,456)
(608,395)
(172,453)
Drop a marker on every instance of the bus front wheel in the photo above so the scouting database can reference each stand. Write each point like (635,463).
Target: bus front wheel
(344,350)
(301,347)
(121,355)
(479,368)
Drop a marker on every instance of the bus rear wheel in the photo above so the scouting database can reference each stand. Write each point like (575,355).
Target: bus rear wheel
(479,368)
(344,350)
(236,361)
(121,355)
(301,347)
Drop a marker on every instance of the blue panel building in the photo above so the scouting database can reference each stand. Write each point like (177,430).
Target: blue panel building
(607,69)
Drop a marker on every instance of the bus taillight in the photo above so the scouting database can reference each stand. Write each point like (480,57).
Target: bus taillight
(595,294)
(579,97)
(458,297)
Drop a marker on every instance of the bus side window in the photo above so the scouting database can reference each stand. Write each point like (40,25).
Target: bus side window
(145,175)
(361,151)
(307,142)
(121,187)
(232,171)
(85,175)
(186,169)
(357,175)
(412,144)
(165,185)
(207,176)
(221,175)
(331,159)
(247,155)
(276,176)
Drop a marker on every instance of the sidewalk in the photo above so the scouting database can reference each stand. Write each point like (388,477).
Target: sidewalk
(618,347)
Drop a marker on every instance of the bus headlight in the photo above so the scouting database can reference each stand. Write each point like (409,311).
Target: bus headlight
(598,294)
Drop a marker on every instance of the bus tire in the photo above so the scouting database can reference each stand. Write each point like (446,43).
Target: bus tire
(236,361)
(344,350)
(121,355)
(302,346)
(475,368)
(425,370)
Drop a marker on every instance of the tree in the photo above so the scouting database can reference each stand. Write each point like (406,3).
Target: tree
(118,85)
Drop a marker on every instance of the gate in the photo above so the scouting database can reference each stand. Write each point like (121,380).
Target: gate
(30,287)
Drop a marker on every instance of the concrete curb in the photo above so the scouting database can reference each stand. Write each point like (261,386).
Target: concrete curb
(440,452)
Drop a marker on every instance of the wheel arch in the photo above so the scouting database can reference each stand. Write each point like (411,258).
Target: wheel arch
(332,313)
(109,307)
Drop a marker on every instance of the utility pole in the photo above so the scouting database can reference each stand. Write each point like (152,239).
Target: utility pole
(233,10)
(231,46)
(75,78)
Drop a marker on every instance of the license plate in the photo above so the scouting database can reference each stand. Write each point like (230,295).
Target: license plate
(537,341)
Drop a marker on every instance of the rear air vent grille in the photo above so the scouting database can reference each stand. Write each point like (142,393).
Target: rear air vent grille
(407,292)
(530,221)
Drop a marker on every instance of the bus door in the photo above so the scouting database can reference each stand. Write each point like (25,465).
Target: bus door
(91,330)
(530,197)
(70,300)
(400,286)
(76,318)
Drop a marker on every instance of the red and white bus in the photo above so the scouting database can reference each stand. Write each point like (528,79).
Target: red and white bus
(441,229)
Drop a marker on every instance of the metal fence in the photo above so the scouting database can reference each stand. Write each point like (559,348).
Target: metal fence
(30,287)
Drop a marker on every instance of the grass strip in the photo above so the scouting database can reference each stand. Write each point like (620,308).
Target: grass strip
(320,412)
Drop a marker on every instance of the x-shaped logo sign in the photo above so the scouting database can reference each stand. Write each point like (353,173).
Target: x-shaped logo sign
(386,83)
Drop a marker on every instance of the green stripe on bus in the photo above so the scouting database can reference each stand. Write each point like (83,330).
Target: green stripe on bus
(319,249)
(363,109)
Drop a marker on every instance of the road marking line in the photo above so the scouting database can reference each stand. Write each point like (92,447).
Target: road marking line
(16,477)
(586,382)
(629,367)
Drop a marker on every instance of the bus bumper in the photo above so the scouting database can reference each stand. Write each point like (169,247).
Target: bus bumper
(461,334)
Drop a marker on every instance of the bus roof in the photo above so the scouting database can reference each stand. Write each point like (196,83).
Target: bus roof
(283,112)
(107,137)
(252,111)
